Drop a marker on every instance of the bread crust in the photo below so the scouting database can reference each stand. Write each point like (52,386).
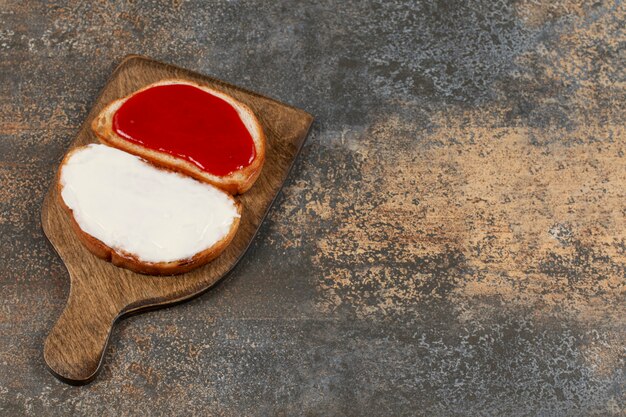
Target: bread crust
(126,260)
(236,182)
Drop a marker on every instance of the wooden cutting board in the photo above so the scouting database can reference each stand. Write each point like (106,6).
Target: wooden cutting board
(101,293)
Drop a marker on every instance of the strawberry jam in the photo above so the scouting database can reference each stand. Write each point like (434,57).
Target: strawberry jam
(189,123)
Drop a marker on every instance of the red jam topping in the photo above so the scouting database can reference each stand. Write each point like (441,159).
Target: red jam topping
(189,123)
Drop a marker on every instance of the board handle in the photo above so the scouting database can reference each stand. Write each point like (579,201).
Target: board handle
(74,348)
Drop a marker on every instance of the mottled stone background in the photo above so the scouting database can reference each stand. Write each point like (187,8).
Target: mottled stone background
(451,242)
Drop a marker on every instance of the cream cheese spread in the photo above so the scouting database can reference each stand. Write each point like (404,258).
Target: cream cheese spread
(131,206)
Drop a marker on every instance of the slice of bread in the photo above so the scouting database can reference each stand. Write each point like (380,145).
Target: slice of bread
(140,217)
(236,182)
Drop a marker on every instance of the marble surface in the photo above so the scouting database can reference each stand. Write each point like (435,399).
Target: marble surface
(451,241)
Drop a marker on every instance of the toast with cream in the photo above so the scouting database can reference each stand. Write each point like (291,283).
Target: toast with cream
(189,128)
(141,217)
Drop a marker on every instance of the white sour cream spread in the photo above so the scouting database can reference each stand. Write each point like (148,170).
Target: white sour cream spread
(132,206)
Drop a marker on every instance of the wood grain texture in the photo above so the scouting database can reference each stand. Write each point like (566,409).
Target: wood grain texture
(100,292)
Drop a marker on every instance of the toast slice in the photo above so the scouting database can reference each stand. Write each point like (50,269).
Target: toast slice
(235,182)
(152,221)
